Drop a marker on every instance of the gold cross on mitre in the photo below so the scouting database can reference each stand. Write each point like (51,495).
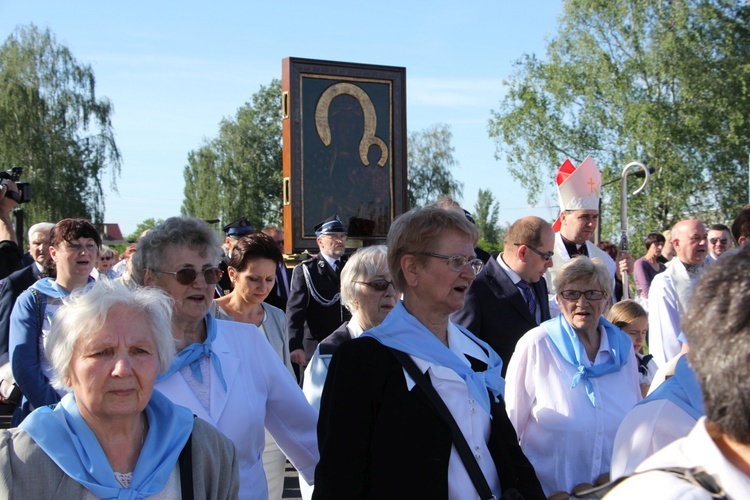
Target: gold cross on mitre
(592,184)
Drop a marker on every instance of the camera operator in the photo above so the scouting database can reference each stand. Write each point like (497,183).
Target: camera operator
(10,252)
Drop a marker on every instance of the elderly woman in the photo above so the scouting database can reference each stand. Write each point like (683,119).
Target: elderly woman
(252,272)
(74,250)
(368,292)
(112,436)
(571,381)
(648,266)
(226,372)
(104,264)
(384,433)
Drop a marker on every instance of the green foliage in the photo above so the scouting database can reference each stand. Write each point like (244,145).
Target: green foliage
(149,223)
(238,174)
(53,125)
(430,160)
(486,215)
(664,83)
(491,248)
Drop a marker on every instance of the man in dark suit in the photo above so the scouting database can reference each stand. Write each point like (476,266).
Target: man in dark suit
(280,291)
(17,282)
(314,308)
(509,296)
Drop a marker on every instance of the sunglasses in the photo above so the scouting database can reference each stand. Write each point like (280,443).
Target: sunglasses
(378,285)
(589,294)
(187,276)
(714,241)
(458,262)
(544,255)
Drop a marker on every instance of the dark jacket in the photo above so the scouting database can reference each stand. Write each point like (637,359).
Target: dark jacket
(308,321)
(11,288)
(496,312)
(378,439)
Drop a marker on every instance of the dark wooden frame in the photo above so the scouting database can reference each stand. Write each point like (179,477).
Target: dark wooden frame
(307,81)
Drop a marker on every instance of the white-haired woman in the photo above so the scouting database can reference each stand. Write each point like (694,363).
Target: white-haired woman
(112,436)
(571,381)
(226,372)
(368,292)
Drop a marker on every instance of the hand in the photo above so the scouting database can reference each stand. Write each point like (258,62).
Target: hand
(298,357)
(7,204)
(625,264)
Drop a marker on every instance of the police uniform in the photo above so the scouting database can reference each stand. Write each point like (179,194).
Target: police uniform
(236,229)
(314,307)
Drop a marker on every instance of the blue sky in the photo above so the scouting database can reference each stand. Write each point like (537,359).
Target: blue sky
(173,70)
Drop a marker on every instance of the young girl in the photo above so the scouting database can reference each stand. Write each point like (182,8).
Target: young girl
(633,320)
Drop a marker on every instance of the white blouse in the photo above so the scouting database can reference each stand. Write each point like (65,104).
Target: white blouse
(566,438)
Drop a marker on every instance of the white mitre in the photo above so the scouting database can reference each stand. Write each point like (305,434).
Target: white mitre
(581,189)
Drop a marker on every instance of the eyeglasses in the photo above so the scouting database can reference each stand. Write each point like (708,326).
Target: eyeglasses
(714,241)
(458,262)
(589,294)
(335,237)
(544,255)
(378,285)
(107,258)
(187,276)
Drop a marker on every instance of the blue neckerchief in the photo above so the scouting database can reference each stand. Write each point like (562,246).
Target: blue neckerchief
(192,354)
(571,349)
(681,389)
(68,440)
(50,288)
(403,332)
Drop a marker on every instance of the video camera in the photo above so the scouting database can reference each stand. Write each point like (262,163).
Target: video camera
(24,188)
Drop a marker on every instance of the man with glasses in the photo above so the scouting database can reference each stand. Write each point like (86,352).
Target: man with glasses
(509,297)
(314,308)
(671,290)
(719,240)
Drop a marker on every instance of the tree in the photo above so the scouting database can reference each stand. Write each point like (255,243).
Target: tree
(238,174)
(486,215)
(149,223)
(664,83)
(53,125)
(430,160)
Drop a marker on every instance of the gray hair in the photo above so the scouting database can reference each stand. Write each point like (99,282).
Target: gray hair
(717,327)
(581,268)
(84,313)
(175,232)
(40,227)
(106,250)
(363,265)
(419,231)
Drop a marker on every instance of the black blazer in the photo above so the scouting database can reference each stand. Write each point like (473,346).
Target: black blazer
(377,439)
(11,288)
(274,298)
(308,322)
(496,312)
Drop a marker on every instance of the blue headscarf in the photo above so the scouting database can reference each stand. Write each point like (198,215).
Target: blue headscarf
(571,349)
(403,332)
(67,439)
(681,389)
(192,354)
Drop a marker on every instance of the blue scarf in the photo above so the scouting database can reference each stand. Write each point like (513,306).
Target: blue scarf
(192,354)
(681,389)
(68,440)
(403,332)
(571,349)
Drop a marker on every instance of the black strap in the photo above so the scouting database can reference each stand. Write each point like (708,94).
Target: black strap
(696,476)
(459,441)
(186,469)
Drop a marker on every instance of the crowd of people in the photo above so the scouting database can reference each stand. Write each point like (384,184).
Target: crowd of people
(422,368)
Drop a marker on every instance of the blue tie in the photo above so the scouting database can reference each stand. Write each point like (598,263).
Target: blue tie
(528,295)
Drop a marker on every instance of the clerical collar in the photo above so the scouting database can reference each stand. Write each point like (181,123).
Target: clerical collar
(572,248)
